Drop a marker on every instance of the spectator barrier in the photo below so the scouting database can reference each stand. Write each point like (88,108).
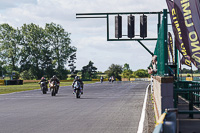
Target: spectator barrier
(13,82)
(1,82)
(167,122)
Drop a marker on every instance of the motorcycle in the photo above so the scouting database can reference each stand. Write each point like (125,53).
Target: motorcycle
(44,88)
(101,80)
(77,87)
(53,88)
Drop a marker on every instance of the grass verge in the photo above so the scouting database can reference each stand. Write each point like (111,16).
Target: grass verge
(30,86)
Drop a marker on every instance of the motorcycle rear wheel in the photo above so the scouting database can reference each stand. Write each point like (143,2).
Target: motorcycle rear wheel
(44,90)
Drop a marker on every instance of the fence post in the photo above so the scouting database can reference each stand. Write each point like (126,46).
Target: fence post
(191,97)
(165,42)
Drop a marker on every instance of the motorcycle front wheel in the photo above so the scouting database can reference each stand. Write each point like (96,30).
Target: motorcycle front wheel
(53,92)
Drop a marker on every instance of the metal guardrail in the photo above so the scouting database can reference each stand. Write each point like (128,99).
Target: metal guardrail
(167,122)
(2,82)
(190,91)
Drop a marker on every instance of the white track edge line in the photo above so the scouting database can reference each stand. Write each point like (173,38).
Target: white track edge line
(141,123)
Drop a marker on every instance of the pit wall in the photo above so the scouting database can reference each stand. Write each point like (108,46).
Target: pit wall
(163,94)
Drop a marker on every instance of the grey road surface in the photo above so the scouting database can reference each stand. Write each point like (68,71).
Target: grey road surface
(103,108)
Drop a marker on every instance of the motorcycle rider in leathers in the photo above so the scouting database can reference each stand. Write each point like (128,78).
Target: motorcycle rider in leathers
(44,80)
(54,78)
(81,82)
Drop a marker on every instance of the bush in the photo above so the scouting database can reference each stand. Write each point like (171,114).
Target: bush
(15,74)
(188,75)
(141,73)
(27,75)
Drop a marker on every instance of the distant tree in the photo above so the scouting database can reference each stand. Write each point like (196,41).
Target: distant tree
(89,71)
(61,50)
(32,51)
(43,51)
(1,69)
(27,75)
(114,70)
(126,67)
(15,74)
(9,46)
(127,72)
(188,75)
(71,62)
(140,73)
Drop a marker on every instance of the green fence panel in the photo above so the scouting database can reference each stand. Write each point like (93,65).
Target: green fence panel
(161,49)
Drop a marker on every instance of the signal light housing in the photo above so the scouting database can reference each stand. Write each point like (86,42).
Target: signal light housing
(131,26)
(143,26)
(118,26)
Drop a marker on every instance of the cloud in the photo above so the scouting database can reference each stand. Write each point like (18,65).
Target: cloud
(5,4)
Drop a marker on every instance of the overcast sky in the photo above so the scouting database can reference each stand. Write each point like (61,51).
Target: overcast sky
(89,35)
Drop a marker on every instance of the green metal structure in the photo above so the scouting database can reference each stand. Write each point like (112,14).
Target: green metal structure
(162,29)
(161,47)
(188,90)
(107,15)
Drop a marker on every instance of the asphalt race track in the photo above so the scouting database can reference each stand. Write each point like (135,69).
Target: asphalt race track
(103,108)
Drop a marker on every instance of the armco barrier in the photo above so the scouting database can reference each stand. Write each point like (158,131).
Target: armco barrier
(190,91)
(125,79)
(140,79)
(95,79)
(36,81)
(66,80)
(105,79)
(132,79)
(189,78)
(168,122)
(1,82)
(31,81)
(13,82)
(86,80)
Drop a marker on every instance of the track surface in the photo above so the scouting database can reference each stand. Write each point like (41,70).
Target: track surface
(104,108)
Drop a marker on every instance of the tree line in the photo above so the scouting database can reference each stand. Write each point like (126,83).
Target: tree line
(90,72)
(125,71)
(33,51)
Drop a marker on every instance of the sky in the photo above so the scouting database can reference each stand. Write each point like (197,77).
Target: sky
(89,36)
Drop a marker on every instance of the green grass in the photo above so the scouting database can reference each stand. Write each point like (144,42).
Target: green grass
(17,88)
(30,86)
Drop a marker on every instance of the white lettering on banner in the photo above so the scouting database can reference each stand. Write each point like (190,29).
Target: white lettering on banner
(193,37)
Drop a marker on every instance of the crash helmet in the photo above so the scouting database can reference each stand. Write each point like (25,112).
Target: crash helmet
(54,76)
(77,78)
(42,78)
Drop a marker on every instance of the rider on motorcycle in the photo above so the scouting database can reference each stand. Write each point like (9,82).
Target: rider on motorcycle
(81,82)
(101,79)
(54,78)
(44,80)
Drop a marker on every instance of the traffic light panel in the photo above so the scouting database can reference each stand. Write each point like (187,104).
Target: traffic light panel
(118,26)
(131,26)
(143,26)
